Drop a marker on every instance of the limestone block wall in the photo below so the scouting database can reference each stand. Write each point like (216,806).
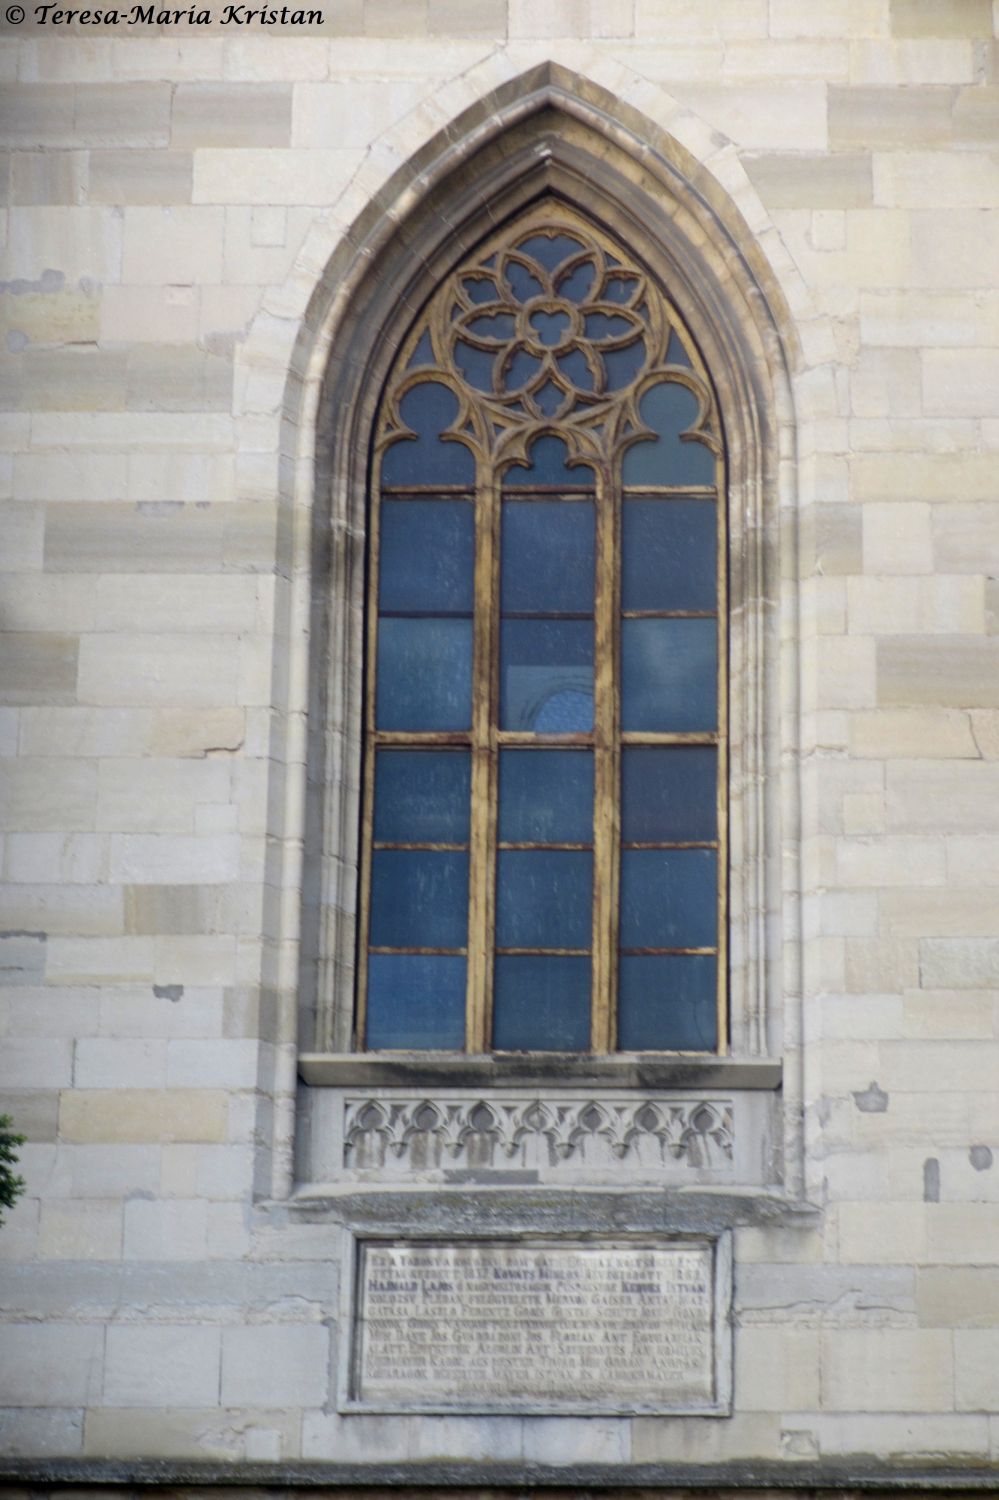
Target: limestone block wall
(174,196)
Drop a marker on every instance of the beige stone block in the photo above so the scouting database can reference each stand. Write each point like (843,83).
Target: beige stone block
(171,1366)
(829,18)
(913,606)
(122,114)
(269,58)
(202,961)
(678,1440)
(965,538)
(976,1369)
(126,538)
(48,177)
(140,1115)
(973,861)
(273,176)
(130,1432)
(761,116)
(962,1233)
(941,18)
(175,378)
(830,540)
(919,733)
(57,476)
(902,436)
(683,21)
(959,963)
(164,859)
(178,604)
(200,432)
(172,245)
(959,477)
(908,61)
(955,249)
(886,383)
(72,379)
(50,1364)
(960,382)
(985,728)
(297,1356)
(57,317)
(23,536)
(55,858)
(844,668)
(84,731)
(75,909)
(53,793)
(74,243)
(449,18)
(35,1062)
(38,667)
(863,812)
(98,960)
(941,913)
(182,732)
(829,60)
(158,795)
(945,797)
(860,1365)
(129,314)
(936,179)
(958,1297)
(106,1063)
(89,1230)
(948,1013)
(158,670)
(976,116)
(816,180)
(231,114)
(349,114)
(152,909)
(918,318)
(880,965)
(938,1066)
(36,115)
(883,118)
(921,1436)
(897,538)
(135,176)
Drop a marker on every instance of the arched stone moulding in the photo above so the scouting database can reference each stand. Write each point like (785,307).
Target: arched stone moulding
(551,132)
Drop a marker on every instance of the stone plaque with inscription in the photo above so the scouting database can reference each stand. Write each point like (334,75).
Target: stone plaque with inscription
(621,1325)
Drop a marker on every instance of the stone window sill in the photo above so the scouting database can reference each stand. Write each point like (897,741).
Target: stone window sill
(553,1070)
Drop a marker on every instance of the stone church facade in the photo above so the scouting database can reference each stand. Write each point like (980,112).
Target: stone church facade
(314,1193)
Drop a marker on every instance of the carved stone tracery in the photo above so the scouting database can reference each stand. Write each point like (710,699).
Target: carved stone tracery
(549,329)
(425,1132)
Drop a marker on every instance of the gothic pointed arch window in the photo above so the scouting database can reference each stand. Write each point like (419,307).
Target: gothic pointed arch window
(543,857)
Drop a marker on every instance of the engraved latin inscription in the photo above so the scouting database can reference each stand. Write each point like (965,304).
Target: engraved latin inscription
(605,1325)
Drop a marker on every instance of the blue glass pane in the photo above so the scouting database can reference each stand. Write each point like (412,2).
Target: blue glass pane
(426,556)
(429,408)
(544,898)
(523,285)
(550,327)
(668,558)
(480,288)
(668,409)
(574,367)
(668,675)
(669,898)
(547,556)
(667,1004)
(550,250)
(546,676)
(546,796)
(421,796)
(415,1001)
(676,354)
(621,366)
(419,899)
(423,354)
(476,365)
(522,368)
(541,1004)
(424,674)
(578,284)
(620,288)
(668,793)
(549,466)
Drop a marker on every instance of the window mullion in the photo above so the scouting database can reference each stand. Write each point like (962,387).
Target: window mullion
(607,778)
(368,769)
(485,695)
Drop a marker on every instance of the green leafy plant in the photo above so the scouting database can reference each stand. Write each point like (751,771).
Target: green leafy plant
(11,1185)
